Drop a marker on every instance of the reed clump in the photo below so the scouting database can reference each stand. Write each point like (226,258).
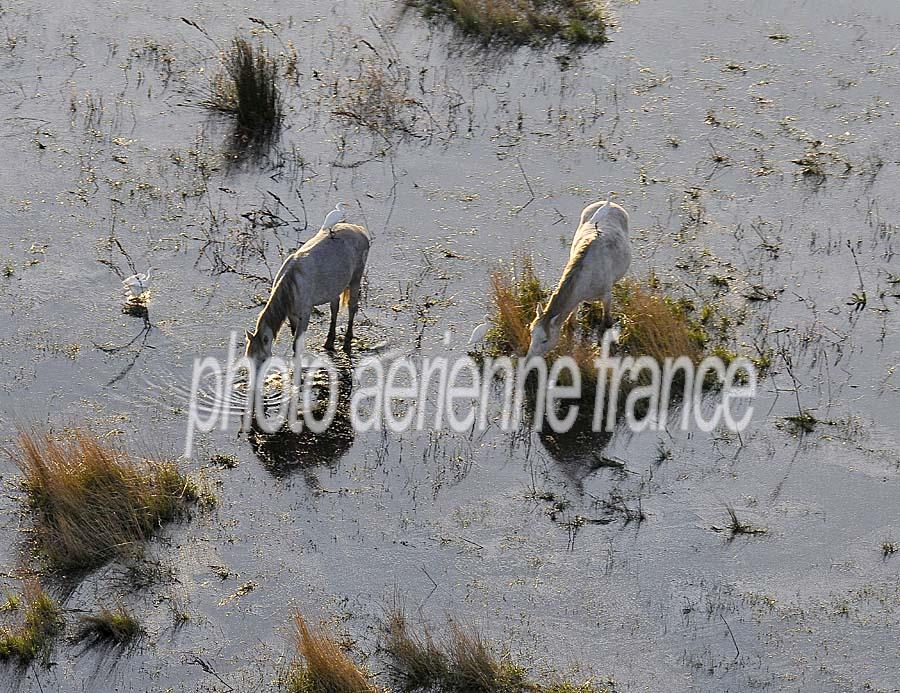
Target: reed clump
(91,501)
(247,88)
(322,665)
(42,622)
(523,21)
(516,292)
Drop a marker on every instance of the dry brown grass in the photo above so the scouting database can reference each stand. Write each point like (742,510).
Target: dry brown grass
(325,667)
(653,324)
(516,293)
(42,622)
(91,501)
(461,662)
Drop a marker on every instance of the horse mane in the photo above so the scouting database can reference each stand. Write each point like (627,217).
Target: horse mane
(563,293)
(276,309)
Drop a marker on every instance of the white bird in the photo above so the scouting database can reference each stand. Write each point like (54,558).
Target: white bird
(137,284)
(479,333)
(334,217)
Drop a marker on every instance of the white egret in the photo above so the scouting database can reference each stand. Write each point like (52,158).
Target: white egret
(480,332)
(137,284)
(334,217)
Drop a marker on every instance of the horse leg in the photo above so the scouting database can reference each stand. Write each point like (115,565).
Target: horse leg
(352,305)
(299,325)
(607,309)
(332,329)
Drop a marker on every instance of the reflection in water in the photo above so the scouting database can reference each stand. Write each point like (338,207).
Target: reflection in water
(578,451)
(284,452)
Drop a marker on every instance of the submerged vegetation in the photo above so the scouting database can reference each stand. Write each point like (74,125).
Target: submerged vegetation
(322,665)
(42,622)
(378,99)
(802,422)
(91,501)
(247,88)
(738,526)
(523,21)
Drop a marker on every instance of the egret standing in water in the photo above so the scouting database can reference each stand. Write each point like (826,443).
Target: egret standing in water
(334,217)
(480,332)
(137,285)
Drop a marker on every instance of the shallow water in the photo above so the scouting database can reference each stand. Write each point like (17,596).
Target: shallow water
(104,132)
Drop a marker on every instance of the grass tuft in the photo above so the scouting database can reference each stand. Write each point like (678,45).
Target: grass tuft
(417,661)
(523,21)
(474,666)
(247,88)
(516,294)
(323,666)
(378,99)
(737,526)
(461,662)
(42,622)
(653,324)
(804,422)
(108,627)
(91,501)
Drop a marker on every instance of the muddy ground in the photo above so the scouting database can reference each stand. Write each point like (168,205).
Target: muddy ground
(755,146)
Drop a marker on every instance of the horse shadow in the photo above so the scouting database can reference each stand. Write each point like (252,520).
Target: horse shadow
(286,452)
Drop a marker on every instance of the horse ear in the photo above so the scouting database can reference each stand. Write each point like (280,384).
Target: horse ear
(249,335)
(538,311)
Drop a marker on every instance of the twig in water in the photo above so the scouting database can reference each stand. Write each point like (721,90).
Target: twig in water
(528,183)
(737,649)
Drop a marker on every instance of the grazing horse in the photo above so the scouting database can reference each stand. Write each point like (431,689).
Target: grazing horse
(600,256)
(328,268)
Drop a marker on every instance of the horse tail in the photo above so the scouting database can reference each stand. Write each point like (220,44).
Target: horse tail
(345,297)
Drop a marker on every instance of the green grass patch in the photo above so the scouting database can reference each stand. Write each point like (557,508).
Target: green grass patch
(42,622)
(108,627)
(460,661)
(518,22)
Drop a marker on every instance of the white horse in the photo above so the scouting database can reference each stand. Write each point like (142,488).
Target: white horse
(328,268)
(600,256)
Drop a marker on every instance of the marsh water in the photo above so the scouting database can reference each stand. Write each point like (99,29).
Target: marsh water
(754,145)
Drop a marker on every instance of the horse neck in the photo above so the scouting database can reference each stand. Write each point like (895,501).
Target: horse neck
(275,311)
(566,297)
